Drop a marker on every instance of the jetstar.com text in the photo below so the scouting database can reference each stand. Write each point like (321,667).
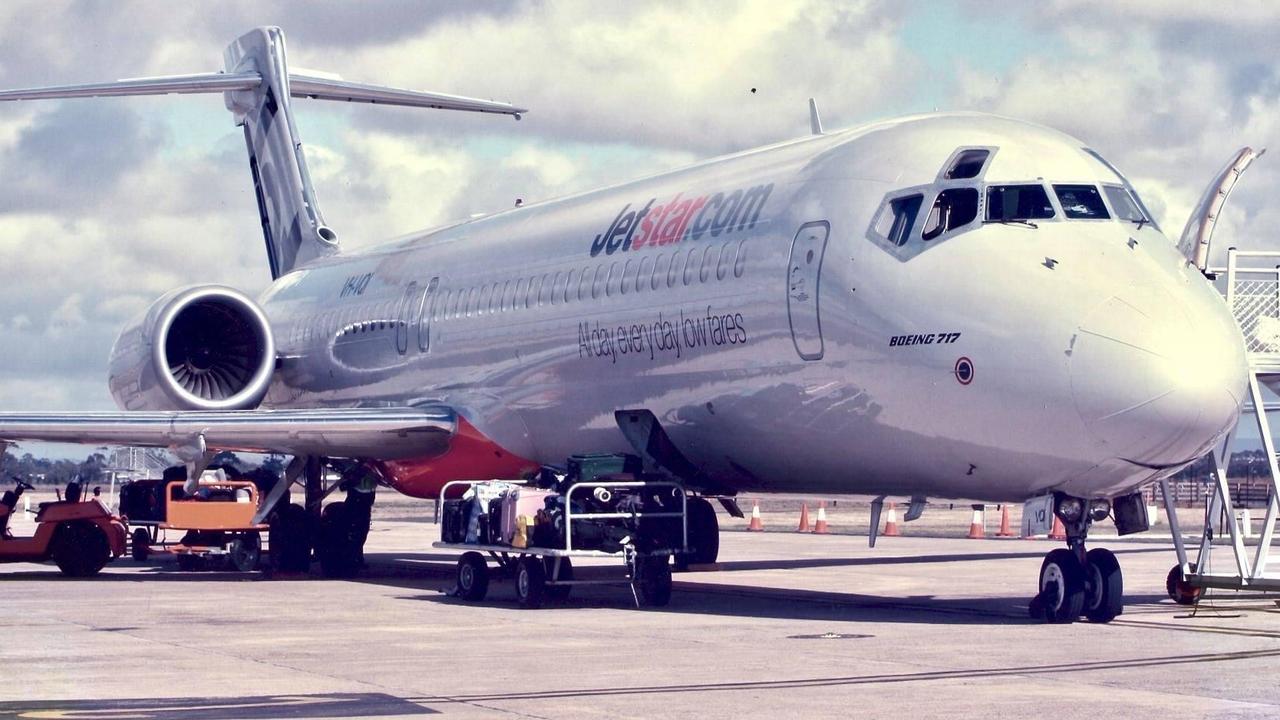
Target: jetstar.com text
(680,219)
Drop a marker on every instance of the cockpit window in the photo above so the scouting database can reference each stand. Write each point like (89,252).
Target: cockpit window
(954,208)
(1018,202)
(968,164)
(1081,202)
(1124,205)
(895,224)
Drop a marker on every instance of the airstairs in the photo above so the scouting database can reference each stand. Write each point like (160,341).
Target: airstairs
(1252,290)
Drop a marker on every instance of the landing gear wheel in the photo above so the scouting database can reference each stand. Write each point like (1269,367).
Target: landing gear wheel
(653,580)
(80,549)
(245,552)
(1104,588)
(1061,597)
(704,535)
(473,577)
(531,582)
(290,541)
(140,548)
(339,546)
(1181,591)
(559,592)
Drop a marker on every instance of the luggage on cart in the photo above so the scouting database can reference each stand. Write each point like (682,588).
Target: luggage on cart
(585,468)
(516,502)
(454,521)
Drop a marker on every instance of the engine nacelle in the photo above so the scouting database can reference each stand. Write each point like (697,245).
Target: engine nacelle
(206,347)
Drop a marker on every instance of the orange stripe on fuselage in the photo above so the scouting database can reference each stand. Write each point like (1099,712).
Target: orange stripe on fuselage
(471,456)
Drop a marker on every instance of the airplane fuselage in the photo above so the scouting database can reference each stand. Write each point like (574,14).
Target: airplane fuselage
(787,335)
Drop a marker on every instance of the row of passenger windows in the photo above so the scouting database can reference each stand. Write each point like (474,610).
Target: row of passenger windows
(956,207)
(703,263)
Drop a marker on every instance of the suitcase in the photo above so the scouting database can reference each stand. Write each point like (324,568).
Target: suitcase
(516,502)
(453,521)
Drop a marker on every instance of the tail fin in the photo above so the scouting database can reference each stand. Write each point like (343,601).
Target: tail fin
(257,89)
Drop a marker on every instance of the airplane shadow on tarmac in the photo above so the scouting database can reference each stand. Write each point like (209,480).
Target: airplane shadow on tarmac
(692,595)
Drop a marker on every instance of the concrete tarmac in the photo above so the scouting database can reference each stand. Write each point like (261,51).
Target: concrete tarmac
(797,625)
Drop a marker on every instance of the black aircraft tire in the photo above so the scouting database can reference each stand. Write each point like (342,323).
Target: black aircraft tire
(473,577)
(140,548)
(704,535)
(339,548)
(80,549)
(1104,598)
(290,544)
(1061,587)
(653,578)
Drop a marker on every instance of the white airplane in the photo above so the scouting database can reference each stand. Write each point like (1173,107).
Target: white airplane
(945,305)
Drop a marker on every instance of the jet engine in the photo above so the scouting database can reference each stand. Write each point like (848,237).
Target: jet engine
(206,347)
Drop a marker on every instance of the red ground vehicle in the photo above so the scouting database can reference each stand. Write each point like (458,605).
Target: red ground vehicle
(80,536)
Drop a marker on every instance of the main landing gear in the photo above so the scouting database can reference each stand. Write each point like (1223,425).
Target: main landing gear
(1075,582)
(704,535)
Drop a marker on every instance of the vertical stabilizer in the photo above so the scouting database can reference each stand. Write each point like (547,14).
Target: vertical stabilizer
(291,222)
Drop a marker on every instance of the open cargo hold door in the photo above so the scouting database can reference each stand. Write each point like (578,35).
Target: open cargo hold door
(1194,243)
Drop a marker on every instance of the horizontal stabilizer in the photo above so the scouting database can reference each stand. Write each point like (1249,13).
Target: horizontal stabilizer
(302,86)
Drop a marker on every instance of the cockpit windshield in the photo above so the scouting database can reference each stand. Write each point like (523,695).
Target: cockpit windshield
(1011,203)
(1081,202)
(1124,205)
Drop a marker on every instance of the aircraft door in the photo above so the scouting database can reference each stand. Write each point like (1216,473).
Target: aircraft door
(804,270)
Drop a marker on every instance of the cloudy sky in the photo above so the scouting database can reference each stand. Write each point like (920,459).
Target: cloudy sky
(107,203)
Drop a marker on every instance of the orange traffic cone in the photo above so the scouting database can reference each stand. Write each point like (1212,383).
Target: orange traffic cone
(977,526)
(756,525)
(820,527)
(804,518)
(1058,532)
(891,523)
(1005,530)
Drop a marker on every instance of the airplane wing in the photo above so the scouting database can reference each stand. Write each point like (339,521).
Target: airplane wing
(383,433)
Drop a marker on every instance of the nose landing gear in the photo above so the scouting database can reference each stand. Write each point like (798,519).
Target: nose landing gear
(1075,582)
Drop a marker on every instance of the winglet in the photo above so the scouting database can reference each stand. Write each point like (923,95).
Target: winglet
(815,122)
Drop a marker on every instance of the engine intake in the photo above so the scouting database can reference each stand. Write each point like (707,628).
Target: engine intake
(201,348)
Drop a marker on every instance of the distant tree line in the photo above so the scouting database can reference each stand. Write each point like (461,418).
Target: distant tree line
(93,469)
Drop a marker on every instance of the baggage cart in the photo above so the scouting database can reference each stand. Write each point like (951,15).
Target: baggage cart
(542,573)
(215,523)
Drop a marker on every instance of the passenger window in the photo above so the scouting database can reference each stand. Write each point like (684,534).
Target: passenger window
(613,278)
(968,164)
(726,259)
(495,299)
(689,265)
(544,290)
(674,272)
(597,281)
(519,296)
(1124,205)
(1081,202)
(659,270)
(473,301)
(897,220)
(484,300)
(1018,202)
(571,285)
(584,284)
(708,261)
(645,273)
(740,262)
(954,208)
(557,288)
(628,276)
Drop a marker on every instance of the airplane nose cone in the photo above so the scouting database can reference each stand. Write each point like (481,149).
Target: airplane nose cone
(1157,381)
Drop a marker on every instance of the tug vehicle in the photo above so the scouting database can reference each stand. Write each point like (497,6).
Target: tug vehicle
(79,535)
